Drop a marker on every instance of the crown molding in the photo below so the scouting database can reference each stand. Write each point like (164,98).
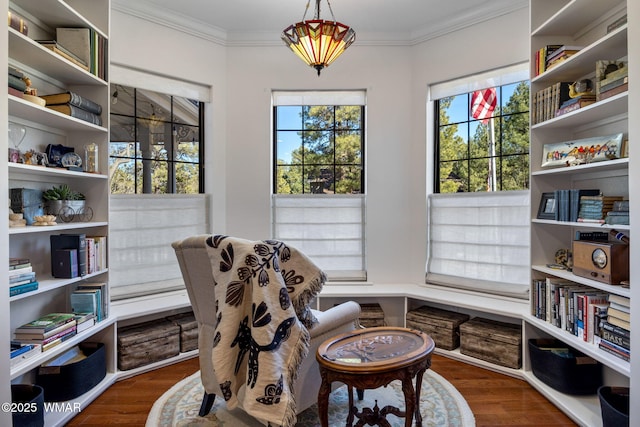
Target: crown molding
(144,10)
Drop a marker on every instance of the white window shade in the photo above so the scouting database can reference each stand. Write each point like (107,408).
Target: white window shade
(480,241)
(329,229)
(142,228)
(327,97)
(492,78)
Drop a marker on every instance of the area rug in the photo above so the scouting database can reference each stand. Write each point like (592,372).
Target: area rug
(440,404)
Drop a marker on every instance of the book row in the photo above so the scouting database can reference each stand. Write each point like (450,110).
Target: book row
(89,304)
(596,317)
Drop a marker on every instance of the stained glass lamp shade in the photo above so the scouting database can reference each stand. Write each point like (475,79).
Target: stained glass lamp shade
(318,42)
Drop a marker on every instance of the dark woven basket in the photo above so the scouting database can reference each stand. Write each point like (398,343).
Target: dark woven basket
(614,403)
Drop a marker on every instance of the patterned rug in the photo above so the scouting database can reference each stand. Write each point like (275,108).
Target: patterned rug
(440,404)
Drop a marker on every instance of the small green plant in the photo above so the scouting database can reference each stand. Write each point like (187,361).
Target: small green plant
(62,192)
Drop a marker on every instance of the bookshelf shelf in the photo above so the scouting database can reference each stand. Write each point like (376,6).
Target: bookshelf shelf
(578,23)
(50,73)
(48,285)
(24,50)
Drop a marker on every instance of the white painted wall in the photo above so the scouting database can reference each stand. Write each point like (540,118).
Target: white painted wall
(239,140)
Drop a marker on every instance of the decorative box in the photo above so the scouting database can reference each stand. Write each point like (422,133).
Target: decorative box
(148,342)
(492,341)
(68,381)
(371,315)
(442,326)
(28,202)
(188,330)
(564,368)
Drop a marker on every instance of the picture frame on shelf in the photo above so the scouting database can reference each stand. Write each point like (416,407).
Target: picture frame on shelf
(548,206)
(581,151)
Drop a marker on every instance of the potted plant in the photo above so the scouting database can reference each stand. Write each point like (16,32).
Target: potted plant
(63,201)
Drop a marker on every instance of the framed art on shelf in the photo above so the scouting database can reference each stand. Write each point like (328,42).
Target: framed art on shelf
(580,151)
(548,206)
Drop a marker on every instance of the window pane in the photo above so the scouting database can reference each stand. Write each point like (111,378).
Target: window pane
(289,147)
(479,175)
(289,117)
(318,147)
(318,117)
(187,179)
(453,176)
(122,174)
(348,180)
(186,111)
(515,172)
(348,117)
(318,180)
(455,109)
(289,179)
(453,142)
(122,100)
(348,147)
(160,178)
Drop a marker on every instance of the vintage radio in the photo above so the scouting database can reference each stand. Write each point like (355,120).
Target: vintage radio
(606,262)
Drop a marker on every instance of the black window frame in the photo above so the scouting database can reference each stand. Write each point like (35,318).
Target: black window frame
(499,156)
(171,162)
(334,164)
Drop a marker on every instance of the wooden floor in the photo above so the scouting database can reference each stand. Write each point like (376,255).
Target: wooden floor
(495,399)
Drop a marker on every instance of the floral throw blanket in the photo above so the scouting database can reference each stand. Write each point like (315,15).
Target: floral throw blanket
(262,293)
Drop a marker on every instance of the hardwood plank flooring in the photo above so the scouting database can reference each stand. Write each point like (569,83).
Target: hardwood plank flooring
(495,399)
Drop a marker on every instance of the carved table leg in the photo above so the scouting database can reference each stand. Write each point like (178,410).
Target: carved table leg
(418,415)
(323,401)
(352,407)
(409,400)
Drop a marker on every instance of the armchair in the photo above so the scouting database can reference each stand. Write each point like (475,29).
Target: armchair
(195,265)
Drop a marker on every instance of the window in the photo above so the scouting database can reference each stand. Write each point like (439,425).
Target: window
(480,240)
(482,140)
(156,143)
(319,178)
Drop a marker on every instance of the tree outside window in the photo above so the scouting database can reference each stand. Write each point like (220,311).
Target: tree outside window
(319,149)
(483,146)
(156,143)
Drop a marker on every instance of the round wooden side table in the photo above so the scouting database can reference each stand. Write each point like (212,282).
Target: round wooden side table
(371,358)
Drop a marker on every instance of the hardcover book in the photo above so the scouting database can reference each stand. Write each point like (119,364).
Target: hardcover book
(74,99)
(78,113)
(46,323)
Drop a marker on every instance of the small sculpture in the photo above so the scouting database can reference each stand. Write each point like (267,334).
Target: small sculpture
(45,220)
(16,219)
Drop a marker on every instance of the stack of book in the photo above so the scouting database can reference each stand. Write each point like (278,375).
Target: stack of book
(616,330)
(619,214)
(541,57)
(576,103)
(595,208)
(91,298)
(48,331)
(56,48)
(74,105)
(614,82)
(560,55)
(84,321)
(20,352)
(17,86)
(22,278)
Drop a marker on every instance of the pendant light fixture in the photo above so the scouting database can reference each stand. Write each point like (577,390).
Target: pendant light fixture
(318,42)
